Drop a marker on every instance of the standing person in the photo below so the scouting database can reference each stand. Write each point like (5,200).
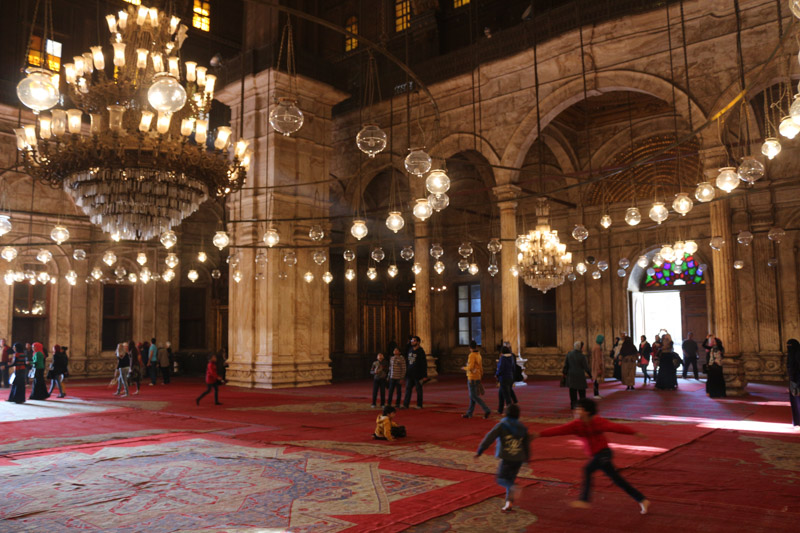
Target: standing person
(397,373)
(135,372)
(715,384)
(655,355)
(629,356)
(616,357)
(19,363)
(417,372)
(576,368)
(501,401)
(212,381)
(58,369)
(474,371)
(152,361)
(123,368)
(379,371)
(709,342)
(590,428)
(39,391)
(163,364)
(5,355)
(505,376)
(598,365)
(793,370)
(644,357)
(512,448)
(667,367)
(690,355)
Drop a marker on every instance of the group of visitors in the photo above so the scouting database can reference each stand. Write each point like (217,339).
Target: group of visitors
(411,368)
(23,362)
(133,360)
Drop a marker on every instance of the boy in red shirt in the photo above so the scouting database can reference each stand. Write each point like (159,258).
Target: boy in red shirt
(212,381)
(590,429)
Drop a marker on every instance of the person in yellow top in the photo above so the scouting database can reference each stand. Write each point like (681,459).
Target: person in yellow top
(474,370)
(385,426)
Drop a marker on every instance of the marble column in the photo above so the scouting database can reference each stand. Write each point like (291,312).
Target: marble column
(726,305)
(422,296)
(510,283)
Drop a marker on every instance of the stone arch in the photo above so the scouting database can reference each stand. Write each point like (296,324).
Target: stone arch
(641,130)
(465,143)
(560,98)
(355,187)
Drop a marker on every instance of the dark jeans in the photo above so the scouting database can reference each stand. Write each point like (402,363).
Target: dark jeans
(210,386)
(506,475)
(596,388)
(472,388)
(573,396)
(165,373)
(379,384)
(395,384)
(501,398)
(602,461)
(644,371)
(57,381)
(693,362)
(153,371)
(413,383)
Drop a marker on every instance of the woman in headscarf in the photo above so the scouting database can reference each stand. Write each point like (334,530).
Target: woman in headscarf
(576,368)
(598,364)
(628,356)
(39,391)
(793,369)
(715,384)
(19,364)
(667,367)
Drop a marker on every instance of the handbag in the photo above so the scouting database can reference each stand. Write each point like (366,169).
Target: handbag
(32,373)
(481,391)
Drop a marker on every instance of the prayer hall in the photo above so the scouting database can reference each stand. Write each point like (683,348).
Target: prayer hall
(399,265)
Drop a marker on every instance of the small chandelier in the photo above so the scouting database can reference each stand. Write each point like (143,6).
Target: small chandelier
(125,177)
(544,262)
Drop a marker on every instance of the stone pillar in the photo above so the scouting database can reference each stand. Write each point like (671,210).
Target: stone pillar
(279,326)
(352,322)
(510,283)
(422,296)
(726,305)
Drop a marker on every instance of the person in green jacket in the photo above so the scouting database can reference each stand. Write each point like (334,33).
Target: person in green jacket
(39,391)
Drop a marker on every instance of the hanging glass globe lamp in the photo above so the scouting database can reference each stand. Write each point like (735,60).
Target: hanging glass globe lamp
(395,221)
(580,233)
(320,257)
(437,182)
(474,269)
(359,229)
(605,221)
(377,254)
(327,277)
(290,259)
(494,245)
(202,257)
(642,261)
(422,209)
(9,253)
(438,267)
(789,128)
(465,249)
(438,201)
(171,260)
(220,240)
(417,162)
(109,258)
(776,234)
(682,204)
(372,273)
(371,140)
(349,255)
(141,258)
(624,263)
(704,192)
(286,118)
(690,247)
(59,234)
(349,274)
(744,238)
(463,264)
(168,239)
(38,90)
(193,275)
(166,94)
(633,216)
(658,213)
(308,277)
(316,233)
(271,237)
(750,170)
(416,268)
(771,147)
(436,250)
(407,253)
(728,179)
(392,270)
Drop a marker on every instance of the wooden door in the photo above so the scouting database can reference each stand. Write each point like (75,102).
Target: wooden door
(694,314)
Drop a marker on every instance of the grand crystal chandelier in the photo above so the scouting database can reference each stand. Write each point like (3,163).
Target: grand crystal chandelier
(145,164)
(543,260)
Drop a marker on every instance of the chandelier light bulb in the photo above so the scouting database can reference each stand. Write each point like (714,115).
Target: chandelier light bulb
(437,182)
(395,221)
(417,162)
(605,221)
(580,268)
(658,213)
(422,209)
(9,253)
(201,256)
(271,237)
(38,90)
(705,192)
(109,258)
(438,201)
(633,216)
(308,277)
(286,118)
(392,270)
(141,258)
(377,254)
(371,140)
(59,234)
(407,253)
(349,274)
(643,261)
(220,240)
(166,94)
(316,233)
(171,260)
(682,204)
(359,229)
(372,273)
(750,170)
(771,147)
(728,179)
(327,277)
(416,268)
(473,269)
(168,239)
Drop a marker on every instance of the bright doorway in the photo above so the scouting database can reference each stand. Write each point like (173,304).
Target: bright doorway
(655,312)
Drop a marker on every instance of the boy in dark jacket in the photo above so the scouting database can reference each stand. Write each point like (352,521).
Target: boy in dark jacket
(590,429)
(513,448)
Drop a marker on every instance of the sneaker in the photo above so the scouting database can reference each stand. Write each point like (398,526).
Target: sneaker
(116,394)
(487,414)
(644,505)
(598,397)
(151,384)
(508,507)
(122,396)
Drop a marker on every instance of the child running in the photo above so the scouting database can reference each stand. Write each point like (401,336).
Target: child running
(590,429)
(513,448)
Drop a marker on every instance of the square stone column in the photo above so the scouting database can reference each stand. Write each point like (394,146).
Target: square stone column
(510,283)
(422,296)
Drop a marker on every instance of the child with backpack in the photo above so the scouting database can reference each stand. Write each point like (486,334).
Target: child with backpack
(512,448)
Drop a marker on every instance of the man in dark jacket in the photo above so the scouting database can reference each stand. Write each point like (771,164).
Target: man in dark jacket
(690,355)
(416,372)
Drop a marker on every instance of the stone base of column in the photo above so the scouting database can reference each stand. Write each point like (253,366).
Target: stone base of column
(432,373)
(281,374)
(94,367)
(735,377)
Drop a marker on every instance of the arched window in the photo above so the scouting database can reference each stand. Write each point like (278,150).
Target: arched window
(201,15)
(460,3)
(351,43)
(402,15)
(688,272)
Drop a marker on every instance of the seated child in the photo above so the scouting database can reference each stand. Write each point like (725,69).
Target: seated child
(385,426)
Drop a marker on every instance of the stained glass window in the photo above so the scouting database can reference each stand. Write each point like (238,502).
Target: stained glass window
(689,272)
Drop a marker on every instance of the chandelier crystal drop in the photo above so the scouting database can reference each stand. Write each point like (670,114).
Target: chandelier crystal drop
(359,228)
(704,192)
(350,274)
(633,216)
(395,221)
(643,261)
(744,238)
(438,267)
(438,202)
(316,233)
(138,171)
(543,260)
(436,250)
(349,255)
(771,147)
(171,260)
(168,239)
(319,257)
(308,277)
(682,204)
(422,209)
(377,254)
(580,233)
(474,269)
(220,240)
(465,249)
(327,277)
(658,213)
(371,140)
(417,162)
(59,234)
(605,221)
(192,275)
(5,224)
(202,257)
(9,253)
(728,179)
(286,118)
(407,253)
(437,182)
(372,273)
(750,170)
(271,237)
(392,270)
